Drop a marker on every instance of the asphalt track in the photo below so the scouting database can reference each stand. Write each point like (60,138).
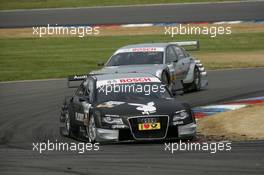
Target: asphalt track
(30,110)
(206,12)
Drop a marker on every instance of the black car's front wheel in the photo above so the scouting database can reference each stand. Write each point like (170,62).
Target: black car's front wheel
(68,129)
(91,130)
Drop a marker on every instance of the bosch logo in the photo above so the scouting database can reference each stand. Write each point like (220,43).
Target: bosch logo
(136,80)
(144,49)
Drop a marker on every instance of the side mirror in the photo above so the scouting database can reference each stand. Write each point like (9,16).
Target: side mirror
(100,64)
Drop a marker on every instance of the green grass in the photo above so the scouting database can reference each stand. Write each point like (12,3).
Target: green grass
(38,58)
(32,4)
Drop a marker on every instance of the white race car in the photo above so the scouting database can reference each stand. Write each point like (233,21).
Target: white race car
(169,61)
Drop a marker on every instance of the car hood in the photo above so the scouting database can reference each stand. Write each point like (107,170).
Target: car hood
(150,68)
(140,107)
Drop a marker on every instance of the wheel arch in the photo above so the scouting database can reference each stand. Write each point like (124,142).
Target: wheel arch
(190,76)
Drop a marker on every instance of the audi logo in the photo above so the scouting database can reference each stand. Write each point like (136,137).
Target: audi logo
(148,120)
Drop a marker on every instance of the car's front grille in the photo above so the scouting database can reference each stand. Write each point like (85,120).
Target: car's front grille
(148,134)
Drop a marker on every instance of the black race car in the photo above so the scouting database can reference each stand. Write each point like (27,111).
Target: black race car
(123,107)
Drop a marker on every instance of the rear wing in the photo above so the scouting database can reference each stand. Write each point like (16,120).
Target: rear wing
(188,45)
(77,79)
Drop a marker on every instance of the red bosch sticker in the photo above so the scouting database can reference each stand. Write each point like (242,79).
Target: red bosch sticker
(144,49)
(136,80)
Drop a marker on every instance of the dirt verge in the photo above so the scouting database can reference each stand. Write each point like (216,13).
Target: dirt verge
(238,125)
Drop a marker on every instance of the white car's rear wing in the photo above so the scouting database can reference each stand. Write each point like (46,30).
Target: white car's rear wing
(188,44)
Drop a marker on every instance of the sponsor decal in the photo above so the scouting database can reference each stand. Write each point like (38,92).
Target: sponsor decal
(77,77)
(149,108)
(136,80)
(132,80)
(144,49)
(148,126)
(178,123)
(119,126)
(141,49)
(110,104)
(79,116)
(148,123)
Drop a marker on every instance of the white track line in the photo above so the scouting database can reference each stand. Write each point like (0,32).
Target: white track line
(136,5)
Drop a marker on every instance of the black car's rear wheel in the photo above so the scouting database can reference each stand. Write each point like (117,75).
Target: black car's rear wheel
(67,124)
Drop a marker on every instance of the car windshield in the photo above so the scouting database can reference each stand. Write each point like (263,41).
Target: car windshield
(124,92)
(134,58)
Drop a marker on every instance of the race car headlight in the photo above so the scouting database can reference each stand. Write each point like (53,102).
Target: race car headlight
(112,120)
(180,115)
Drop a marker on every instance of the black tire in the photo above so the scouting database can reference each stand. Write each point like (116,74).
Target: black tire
(188,108)
(196,84)
(68,129)
(91,130)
